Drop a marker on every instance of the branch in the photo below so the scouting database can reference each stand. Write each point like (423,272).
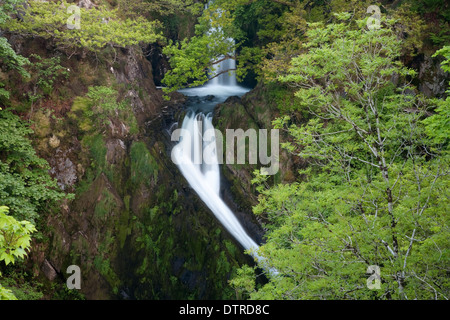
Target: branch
(409,248)
(222,72)
(389,248)
(223,59)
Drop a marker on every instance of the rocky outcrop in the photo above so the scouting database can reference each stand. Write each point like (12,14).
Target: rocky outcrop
(432,80)
(255,110)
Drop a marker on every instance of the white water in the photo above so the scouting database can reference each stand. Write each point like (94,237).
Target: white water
(197,161)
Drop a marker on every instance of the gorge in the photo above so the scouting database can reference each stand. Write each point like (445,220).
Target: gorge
(110,149)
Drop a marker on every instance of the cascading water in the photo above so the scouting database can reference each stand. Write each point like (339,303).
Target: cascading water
(196,152)
(225,73)
(204,177)
(197,159)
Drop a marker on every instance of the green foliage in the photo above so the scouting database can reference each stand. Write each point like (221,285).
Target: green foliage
(440,10)
(8,7)
(244,282)
(97,149)
(192,59)
(14,237)
(267,35)
(44,74)
(104,267)
(9,59)
(6,294)
(445,52)
(22,286)
(136,8)
(82,113)
(15,240)
(99,26)
(25,184)
(95,109)
(438,125)
(372,194)
(105,205)
(104,99)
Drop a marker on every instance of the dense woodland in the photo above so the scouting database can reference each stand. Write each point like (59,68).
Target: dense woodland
(359,94)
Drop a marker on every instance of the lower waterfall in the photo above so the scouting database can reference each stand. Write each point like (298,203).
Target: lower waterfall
(196,157)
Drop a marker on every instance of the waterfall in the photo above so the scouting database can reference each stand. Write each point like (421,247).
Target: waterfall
(225,71)
(196,152)
(197,161)
(196,155)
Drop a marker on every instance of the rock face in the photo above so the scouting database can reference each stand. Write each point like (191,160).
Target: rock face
(63,169)
(432,79)
(255,110)
(159,63)
(88,4)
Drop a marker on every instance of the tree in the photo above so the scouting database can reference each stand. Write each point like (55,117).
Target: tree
(193,60)
(267,34)
(438,125)
(375,191)
(15,240)
(147,8)
(99,27)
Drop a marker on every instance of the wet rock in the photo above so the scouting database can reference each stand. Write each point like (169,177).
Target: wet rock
(432,79)
(116,151)
(48,270)
(135,101)
(63,169)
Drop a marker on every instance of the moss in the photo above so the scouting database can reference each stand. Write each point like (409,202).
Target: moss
(106,204)
(131,121)
(103,266)
(222,265)
(143,166)
(82,114)
(232,250)
(42,124)
(97,148)
(123,227)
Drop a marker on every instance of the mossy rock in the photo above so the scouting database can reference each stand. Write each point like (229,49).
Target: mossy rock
(41,123)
